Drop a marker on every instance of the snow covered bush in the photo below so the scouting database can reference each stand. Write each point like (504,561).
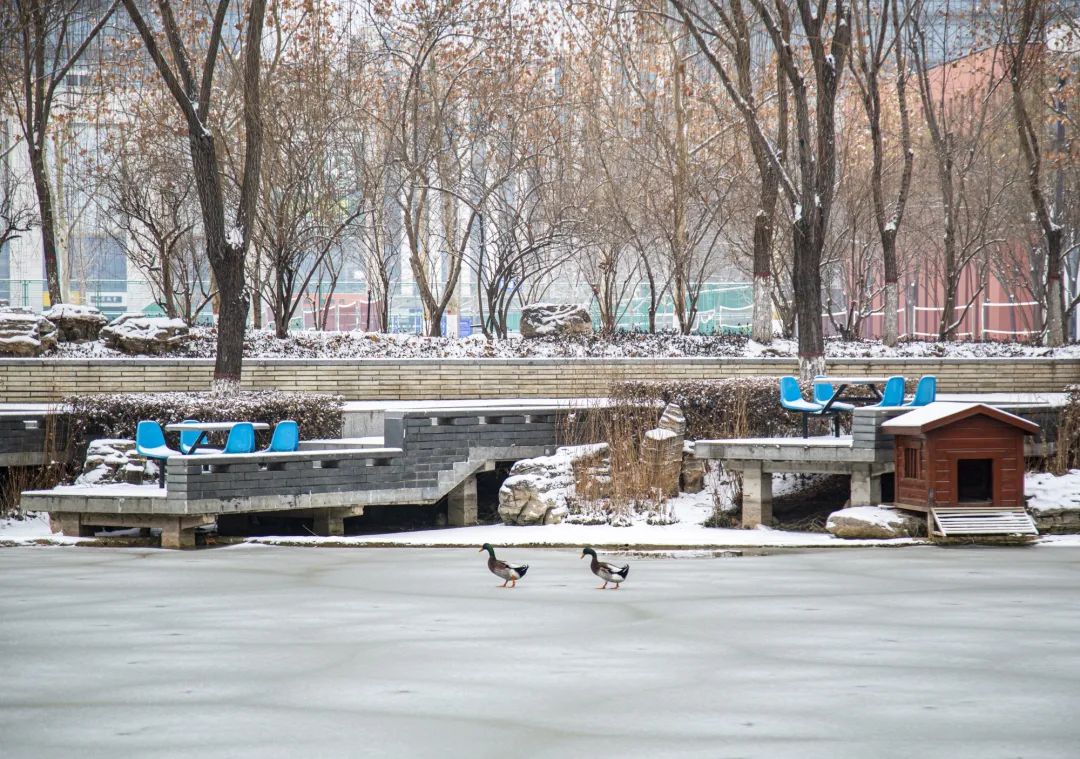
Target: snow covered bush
(116,415)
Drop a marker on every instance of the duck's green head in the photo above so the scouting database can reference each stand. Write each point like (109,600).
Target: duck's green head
(588,552)
(487,547)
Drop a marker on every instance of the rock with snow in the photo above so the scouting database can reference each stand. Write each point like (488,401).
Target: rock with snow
(24,334)
(137,334)
(113,460)
(673,419)
(1054,500)
(548,319)
(874,522)
(538,490)
(76,324)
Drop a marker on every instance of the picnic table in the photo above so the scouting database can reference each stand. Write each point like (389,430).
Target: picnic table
(205,428)
(842,383)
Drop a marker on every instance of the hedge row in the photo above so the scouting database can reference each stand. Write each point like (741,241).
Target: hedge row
(726,408)
(90,417)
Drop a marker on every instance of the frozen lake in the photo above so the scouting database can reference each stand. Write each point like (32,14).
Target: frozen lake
(271,652)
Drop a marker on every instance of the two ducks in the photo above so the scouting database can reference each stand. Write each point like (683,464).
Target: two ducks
(511,573)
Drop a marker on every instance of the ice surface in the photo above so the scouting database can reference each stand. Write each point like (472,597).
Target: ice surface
(261,652)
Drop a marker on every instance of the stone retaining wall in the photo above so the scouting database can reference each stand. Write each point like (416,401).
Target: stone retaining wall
(45,380)
(22,438)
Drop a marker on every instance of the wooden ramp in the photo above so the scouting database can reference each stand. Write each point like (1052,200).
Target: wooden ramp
(980,520)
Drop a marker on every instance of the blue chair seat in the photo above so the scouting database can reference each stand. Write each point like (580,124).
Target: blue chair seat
(150,444)
(188,438)
(925,391)
(156,452)
(823,391)
(241,439)
(893,394)
(286,437)
(802,406)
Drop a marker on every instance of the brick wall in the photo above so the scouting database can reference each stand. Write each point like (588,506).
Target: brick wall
(22,438)
(421,471)
(44,380)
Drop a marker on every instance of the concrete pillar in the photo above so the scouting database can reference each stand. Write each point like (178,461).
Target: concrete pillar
(756,496)
(865,487)
(329,522)
(71,525)
(461,504)
(175,535)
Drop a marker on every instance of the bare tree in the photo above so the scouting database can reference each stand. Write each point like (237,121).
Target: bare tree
(149,195)
(878,34)
(40,47)
(193,94)
(813,60)
(725,32)
(1027,60)
(960,110)
(17,214)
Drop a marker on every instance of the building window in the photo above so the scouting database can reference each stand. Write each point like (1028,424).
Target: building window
(912,459)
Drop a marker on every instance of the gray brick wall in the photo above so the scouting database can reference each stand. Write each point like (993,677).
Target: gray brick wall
(429,443)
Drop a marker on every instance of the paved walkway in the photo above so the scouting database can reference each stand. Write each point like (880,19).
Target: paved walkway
(271,652)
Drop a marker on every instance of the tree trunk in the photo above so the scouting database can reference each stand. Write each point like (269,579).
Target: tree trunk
(890,332)
(48,224)
(761,329)
(806,283)
(1055,317)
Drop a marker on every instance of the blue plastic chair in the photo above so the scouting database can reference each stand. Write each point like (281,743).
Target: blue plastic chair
(286,437)
(893,394)
(150,444)
(188,438)
(241,439)
(823,391)
(792,400)
(925,391)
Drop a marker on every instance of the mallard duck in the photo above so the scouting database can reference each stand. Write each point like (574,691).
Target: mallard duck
(605,571)
(511,573)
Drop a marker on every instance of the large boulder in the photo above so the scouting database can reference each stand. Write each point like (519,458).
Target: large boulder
(538,491)
(76,324)
(550,319)
(874,522)
(113,460)
(24,334)
(137,334)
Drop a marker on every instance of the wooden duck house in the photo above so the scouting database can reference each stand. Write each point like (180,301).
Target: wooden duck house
(963,464)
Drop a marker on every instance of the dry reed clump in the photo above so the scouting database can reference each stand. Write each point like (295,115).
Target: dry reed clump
(1068,433)
(614,490)
(738,407)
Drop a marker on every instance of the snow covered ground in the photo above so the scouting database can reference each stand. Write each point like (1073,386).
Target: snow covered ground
(312,344)
(260,652)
